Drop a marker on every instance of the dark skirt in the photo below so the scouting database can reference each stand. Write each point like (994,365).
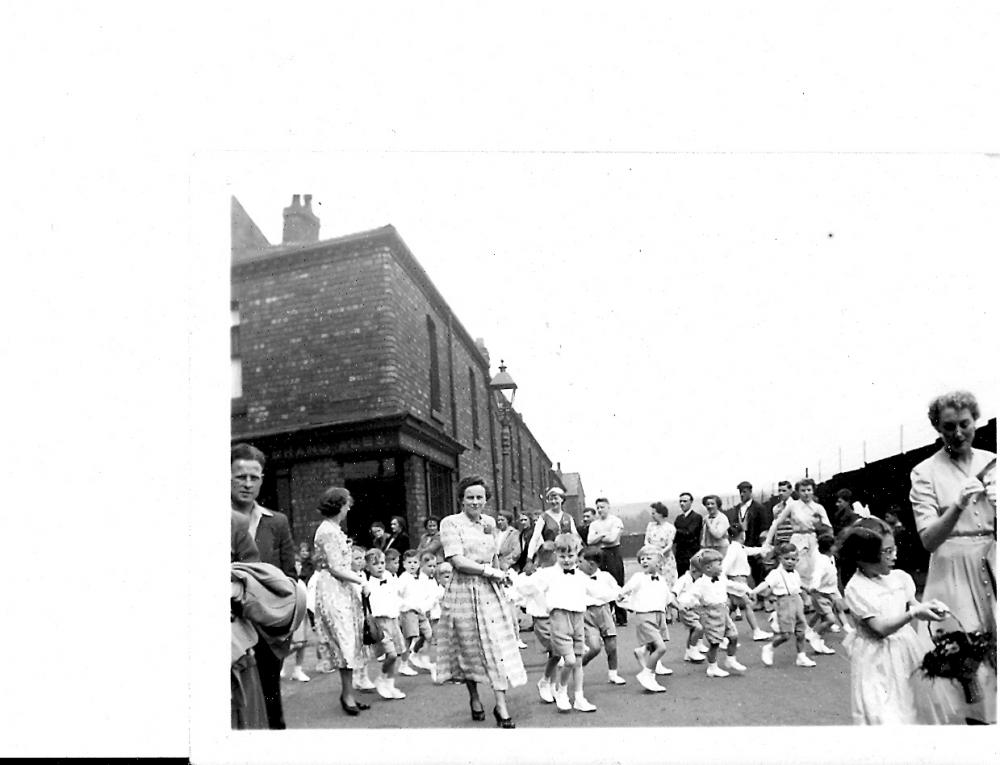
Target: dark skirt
(246,694)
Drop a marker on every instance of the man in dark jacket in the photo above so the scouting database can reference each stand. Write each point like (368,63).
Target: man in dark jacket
(273,536)
(688,539)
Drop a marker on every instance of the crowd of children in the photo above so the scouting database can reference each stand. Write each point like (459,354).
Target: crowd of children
(569,600)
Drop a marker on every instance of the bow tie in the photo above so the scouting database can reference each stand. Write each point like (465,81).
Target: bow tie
(715,579)
(653,577)
(569,571)
(593,576)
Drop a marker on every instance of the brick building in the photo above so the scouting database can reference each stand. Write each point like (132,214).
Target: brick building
(349,368)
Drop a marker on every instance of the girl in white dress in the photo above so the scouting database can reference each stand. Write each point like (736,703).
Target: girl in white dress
(887,686)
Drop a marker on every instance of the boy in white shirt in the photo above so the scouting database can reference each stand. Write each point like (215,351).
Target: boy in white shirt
(784,583)
(598,624)
(689,616)
(736,568)
(710,594)
(385,602)
(531,588)
(361,681)
(647,595)
(418,590)
(825,595)
(566,591)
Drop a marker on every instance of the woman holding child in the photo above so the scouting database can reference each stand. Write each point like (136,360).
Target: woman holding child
(477,642)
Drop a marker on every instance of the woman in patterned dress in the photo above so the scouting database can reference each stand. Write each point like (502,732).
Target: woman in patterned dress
(953,493)
(477,641)
(338,595)
(660,534)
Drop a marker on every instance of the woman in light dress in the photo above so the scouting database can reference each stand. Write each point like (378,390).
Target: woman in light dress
(953,493)
(338,595)
(660,534)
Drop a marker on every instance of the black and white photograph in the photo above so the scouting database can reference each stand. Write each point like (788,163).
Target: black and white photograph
(604,385)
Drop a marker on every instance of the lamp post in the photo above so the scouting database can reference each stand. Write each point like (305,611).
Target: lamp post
(504,384)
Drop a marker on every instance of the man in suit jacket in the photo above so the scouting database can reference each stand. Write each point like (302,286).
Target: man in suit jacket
(688,539)
(273,536)
(755,519)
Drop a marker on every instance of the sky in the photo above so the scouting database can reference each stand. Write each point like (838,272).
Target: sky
(685,321)
(713,242)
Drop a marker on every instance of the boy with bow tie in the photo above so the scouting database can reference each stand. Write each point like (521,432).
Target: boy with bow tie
(598,624)
(647,594)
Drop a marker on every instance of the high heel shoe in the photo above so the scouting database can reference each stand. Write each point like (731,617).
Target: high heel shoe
(477,714)
(502,722)
(352,710)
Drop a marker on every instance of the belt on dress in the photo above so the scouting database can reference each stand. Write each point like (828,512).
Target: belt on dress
(612,547)
(983,533)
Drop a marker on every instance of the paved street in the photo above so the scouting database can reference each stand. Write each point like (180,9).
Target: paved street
(780,695)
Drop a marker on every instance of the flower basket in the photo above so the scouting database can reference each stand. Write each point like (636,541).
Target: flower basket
(957,656)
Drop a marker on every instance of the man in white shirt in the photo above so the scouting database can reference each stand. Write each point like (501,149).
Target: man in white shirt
(606,532)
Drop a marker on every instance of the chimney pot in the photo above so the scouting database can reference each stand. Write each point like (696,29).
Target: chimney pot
(309,199)
(301,223)
(295,200)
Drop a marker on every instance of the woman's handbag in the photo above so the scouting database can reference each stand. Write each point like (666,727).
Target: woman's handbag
(371,633)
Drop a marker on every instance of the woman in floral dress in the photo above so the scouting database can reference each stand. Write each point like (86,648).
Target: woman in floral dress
(660,534)
(477,640)
(338,595)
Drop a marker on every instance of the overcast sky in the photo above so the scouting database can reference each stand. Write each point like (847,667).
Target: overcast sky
(687,320)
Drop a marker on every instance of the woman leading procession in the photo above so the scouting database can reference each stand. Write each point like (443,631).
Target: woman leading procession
(477,641)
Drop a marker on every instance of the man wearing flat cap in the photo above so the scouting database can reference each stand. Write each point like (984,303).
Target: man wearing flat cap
(754,519)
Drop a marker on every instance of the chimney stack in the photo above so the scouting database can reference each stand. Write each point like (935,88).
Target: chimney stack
(301,223)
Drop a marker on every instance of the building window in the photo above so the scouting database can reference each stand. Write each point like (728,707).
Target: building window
(234,350)
(475,405)
(435,369)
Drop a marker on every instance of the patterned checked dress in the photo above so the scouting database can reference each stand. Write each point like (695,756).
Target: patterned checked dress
(477,640)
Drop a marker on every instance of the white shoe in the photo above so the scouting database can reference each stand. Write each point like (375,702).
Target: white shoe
(702,646)
(640,656)
(767,655)
(804,661)
(648,681)
(419,661)
(545,691)
(396,693)
(661,670)
(615,679)
(562,702)
(298,674)
(713,670)
(693,655)
(364,684)
(822,648)
(406,669)
(521,644)
(383,688)
(835,628)
(434,674)
(759,634)
(811,634)
(580,704)
(724,644)
(733,663)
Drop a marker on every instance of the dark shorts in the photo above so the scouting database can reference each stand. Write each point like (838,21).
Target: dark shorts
(414,623)
(567,632)
(599,619)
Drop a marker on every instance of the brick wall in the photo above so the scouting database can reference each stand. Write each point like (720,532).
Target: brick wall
(309,480)
(316,341)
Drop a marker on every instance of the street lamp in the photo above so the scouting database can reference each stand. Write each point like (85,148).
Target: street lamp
(504,384)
